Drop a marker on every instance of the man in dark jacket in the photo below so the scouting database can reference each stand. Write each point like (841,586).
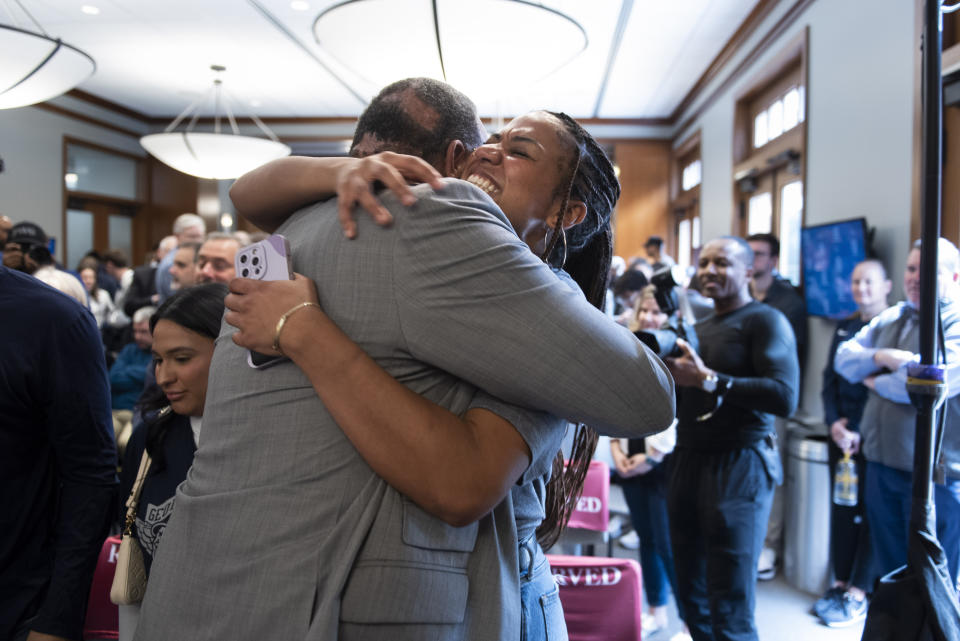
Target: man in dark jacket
(768,286)
(57,459)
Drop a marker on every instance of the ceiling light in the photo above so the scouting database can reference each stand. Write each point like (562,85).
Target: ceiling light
(90,10)
(37,67)
(213,154)
(440,39)
(299,5)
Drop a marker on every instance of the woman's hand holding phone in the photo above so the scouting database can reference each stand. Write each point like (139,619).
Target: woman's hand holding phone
(255,306)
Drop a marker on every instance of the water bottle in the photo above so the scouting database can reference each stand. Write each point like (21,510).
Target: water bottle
(845,482)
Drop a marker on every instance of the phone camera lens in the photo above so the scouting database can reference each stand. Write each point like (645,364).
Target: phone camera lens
(243,258)
(246,272)
(255,261)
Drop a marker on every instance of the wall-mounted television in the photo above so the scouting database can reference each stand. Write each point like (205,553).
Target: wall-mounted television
(830,252)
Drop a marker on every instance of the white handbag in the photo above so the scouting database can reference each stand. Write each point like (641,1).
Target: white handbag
(130,578)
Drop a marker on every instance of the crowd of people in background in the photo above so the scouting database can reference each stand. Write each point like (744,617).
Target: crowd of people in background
(702,493)
(865,369)
(124,303)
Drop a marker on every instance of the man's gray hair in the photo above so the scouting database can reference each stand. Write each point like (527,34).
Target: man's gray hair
(144,314)
(947,254)
(222,235)
(167,243)
(186,221)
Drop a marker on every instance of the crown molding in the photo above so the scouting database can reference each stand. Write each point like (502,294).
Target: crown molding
(744,65)
(746,29)
(108,104)
(68,113)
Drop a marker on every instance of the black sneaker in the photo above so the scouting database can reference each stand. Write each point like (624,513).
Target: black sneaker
(829,597)
(847,610)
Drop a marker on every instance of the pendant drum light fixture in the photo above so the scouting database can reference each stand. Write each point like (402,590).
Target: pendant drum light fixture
(482,47)
(213,154)
(34,66)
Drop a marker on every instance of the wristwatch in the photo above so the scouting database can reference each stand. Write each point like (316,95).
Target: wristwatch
(709,384)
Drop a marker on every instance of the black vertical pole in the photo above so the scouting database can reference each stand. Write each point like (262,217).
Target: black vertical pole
(921,517)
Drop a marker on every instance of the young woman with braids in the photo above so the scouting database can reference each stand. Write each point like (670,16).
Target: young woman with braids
(558,189)
(183,328)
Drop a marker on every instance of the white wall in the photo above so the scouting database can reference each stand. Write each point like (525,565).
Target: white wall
(860,129)
(31,145)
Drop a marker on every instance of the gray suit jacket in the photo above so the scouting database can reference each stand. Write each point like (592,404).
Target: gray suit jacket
(281,530)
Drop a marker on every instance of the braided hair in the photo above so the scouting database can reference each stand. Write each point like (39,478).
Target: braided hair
(585,253)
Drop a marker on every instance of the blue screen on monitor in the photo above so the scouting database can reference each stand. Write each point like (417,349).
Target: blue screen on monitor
(830,252)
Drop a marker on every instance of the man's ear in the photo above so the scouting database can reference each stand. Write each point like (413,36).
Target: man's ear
(454,159)
(576,212)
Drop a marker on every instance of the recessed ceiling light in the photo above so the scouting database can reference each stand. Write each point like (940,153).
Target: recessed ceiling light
(90,10)
(299,5)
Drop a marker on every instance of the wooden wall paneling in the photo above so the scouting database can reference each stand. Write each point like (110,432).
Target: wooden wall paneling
(171,193)
(644,206)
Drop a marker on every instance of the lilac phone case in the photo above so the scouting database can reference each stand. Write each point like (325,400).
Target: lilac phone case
(268,259)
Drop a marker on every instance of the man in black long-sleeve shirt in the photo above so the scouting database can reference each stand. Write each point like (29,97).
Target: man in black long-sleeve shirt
(726,464)
(768,286)
(57,459)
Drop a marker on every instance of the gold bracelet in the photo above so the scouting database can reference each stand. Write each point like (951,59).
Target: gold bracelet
(283,321)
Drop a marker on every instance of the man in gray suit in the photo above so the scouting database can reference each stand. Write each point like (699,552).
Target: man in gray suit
(281,530)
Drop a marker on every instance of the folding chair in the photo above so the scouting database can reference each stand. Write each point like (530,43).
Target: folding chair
(601,597)
(102,616)
(591,518)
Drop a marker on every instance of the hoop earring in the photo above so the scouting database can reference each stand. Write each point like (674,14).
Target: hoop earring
(563,237)
(551,244)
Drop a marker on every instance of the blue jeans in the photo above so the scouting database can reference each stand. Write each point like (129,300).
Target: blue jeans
(541,615)
(646,498)
(888,512)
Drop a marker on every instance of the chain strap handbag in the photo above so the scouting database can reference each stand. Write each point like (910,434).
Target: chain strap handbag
(130,578)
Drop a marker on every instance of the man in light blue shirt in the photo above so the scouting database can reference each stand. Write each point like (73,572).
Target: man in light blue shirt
(878,356)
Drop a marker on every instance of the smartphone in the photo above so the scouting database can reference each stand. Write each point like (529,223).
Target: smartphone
(268,259)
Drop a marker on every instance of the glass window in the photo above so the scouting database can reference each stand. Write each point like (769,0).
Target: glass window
(120,232)
(695,233)
(683,243)
(79,234)
(775,119)
(760,214)
(791,109)
(760,130)
(94,171)
(791,220)
(691,175)
(802,104)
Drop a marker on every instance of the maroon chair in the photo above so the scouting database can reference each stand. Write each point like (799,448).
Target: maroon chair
(102,620)
(590,519)
(601,597)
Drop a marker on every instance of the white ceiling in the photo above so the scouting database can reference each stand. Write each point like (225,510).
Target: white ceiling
(153,56)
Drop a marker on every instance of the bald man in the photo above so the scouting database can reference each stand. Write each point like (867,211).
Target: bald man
(726,464)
